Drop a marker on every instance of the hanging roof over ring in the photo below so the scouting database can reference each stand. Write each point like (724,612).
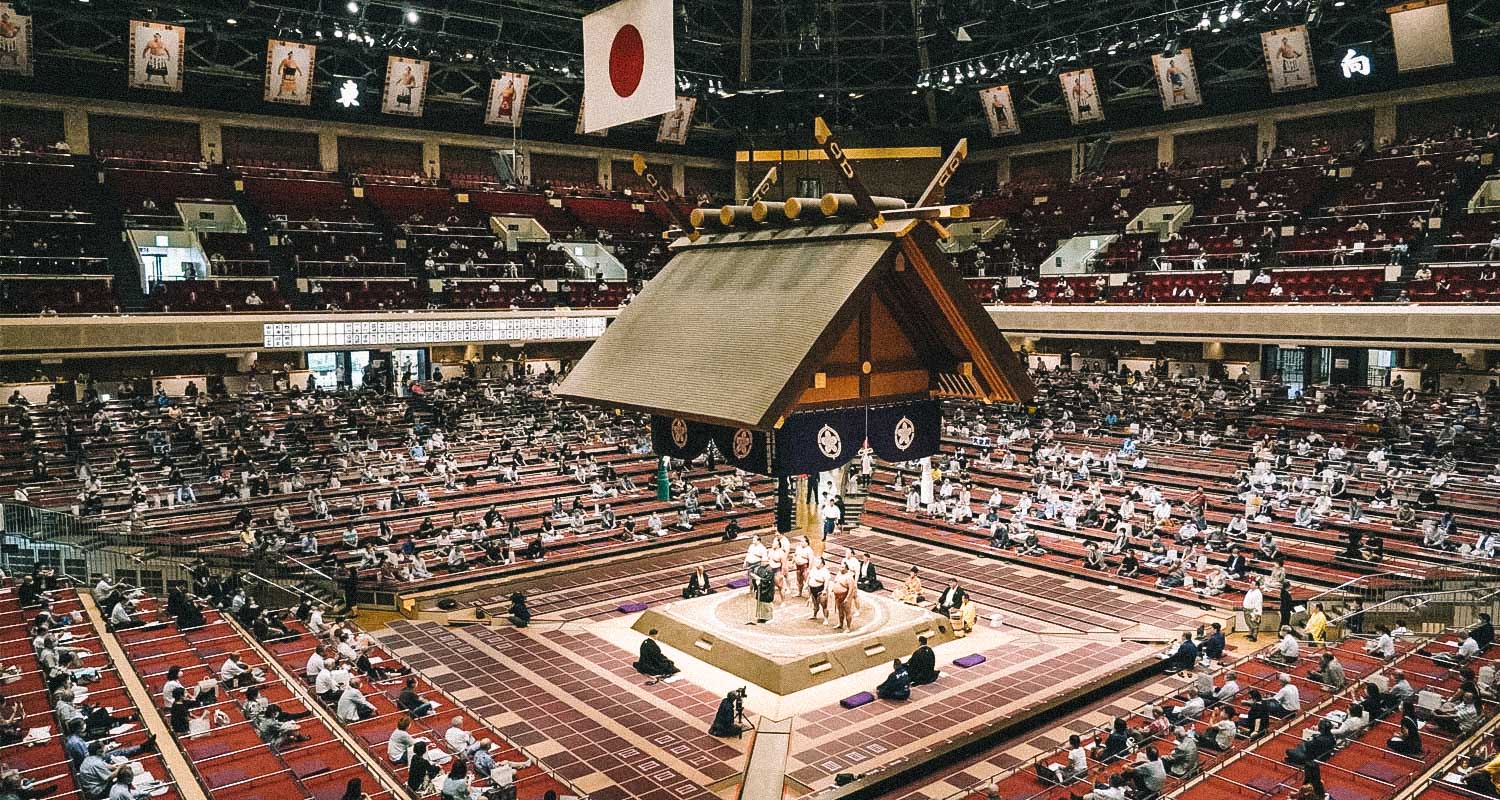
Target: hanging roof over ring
(746,327)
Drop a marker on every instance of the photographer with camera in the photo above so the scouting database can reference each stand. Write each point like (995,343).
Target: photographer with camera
(730,718)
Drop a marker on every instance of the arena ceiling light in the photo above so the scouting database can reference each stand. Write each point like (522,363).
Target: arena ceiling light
(353,7)
(412,17)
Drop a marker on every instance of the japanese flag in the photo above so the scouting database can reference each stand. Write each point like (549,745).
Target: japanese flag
(629,68)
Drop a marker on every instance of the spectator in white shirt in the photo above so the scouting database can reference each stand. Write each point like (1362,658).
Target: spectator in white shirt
(353,706)
(398,746)
(1227,691)
(461,741)
(1287,700)
(328,685)
(1382,645)
(235,674)
(1076,767)
(1467,650)
(1353,724)
(314,664)
(1288,649)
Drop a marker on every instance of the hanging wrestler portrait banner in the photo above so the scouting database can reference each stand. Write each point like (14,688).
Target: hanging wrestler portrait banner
(1177,78)
(405,86)
(289,71)
(156,53)
(1082,95)
(999,110)
(507,99)
(1289,61)
(674,126)
(15,42)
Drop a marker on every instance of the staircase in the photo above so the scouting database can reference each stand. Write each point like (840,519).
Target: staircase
(125,264)
(1438,598)
(1073,256)
(854,506)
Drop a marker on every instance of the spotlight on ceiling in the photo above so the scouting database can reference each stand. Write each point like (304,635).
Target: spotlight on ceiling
(353,7)
(412,17)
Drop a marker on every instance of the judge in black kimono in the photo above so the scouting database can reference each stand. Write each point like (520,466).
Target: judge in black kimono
(951,598)
(896,686)
(868,580)
(763,586)
(922,666)
(653,661)
(697,585)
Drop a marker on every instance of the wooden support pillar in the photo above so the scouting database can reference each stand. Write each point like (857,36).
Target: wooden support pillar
(1265,137)
(605,176)
(1166,150)
(211,141)
(432,158)
(1383,128)
(741,180)
(76,130)
(328,150)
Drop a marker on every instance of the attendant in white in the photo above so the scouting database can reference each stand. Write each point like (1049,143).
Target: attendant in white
(830,515)
(1252,607)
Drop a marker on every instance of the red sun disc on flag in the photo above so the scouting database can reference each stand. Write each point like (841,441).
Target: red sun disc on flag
(627,60)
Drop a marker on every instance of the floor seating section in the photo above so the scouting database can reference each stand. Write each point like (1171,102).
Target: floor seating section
(45,762)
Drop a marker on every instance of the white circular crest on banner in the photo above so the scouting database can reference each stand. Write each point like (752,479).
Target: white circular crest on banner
(906,433)
(744,442)
(830,444)
(679,432)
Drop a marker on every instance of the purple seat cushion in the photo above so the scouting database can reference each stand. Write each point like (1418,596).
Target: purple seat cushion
(969,660)
(738,583)
(631,608)
(855,701)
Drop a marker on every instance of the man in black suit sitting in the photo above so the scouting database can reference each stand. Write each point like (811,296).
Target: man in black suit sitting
(951,598)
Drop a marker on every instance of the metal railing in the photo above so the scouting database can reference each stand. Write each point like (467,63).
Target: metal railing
(1380,590)
(154,561)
